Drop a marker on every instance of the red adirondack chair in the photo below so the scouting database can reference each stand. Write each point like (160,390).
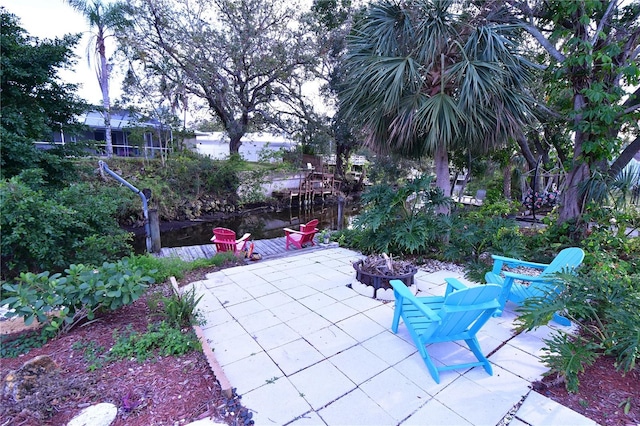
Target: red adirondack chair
(225,240)
(302,237)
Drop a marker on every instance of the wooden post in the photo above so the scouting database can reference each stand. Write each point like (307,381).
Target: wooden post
(154,225)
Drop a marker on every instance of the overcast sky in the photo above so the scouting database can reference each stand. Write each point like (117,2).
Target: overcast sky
(55,18)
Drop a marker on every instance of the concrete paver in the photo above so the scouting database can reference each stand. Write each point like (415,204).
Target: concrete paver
(302,348)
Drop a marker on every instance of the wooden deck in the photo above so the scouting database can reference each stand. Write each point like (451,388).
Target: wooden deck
(268,249)
(314,185)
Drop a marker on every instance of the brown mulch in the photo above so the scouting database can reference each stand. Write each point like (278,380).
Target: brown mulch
(178,390)
(160,391)
(602,395)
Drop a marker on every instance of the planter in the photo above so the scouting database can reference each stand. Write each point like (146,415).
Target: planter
(377,285)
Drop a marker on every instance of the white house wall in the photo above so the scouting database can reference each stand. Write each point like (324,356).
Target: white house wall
(216,145)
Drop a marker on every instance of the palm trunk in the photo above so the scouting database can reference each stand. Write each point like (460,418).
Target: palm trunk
(441,160)
(506,180)
(103,79)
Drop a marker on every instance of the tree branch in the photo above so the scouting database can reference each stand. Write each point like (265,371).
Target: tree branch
(625,157)
(604,20)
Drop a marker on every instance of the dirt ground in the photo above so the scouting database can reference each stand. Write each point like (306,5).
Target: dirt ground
(178,390)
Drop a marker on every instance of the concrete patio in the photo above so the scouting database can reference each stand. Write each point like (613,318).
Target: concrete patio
(302,348)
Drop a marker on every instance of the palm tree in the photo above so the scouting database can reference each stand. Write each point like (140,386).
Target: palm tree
(104,21)
(423,79)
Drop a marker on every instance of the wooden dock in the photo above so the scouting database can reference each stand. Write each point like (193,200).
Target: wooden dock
(268,249)
(314,185)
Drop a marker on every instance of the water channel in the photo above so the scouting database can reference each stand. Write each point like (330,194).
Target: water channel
(260,224)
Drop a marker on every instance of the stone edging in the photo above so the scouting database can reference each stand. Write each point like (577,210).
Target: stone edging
(227,390)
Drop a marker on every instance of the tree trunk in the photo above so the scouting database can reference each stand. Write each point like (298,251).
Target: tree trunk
(103,80)
(234,144)
(625,157)
(572,203)
(506,180)
(441,160)
(526,152)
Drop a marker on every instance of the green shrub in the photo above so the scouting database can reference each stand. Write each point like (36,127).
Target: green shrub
(476,235)
(61,302)
(606,311)
(402,220)
(49,230)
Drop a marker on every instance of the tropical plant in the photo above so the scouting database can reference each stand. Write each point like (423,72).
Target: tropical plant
(424,79)
(402,220)
(107,19)
(604,307)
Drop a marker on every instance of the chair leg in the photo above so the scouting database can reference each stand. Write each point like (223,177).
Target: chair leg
(397,312)
(475,348)
(433,370)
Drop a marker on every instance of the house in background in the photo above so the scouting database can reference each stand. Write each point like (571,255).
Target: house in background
(130,135)
(254,145)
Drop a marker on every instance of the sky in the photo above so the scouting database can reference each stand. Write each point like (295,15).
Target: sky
(55,18)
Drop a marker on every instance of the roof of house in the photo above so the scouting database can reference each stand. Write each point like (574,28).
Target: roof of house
(119,120)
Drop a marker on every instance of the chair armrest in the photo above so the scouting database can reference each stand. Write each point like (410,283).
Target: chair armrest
(512,262)
(453,284)
(531,278)
(244,237)
(292,231)
(427,311)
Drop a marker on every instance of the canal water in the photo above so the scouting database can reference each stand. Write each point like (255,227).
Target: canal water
(261,225)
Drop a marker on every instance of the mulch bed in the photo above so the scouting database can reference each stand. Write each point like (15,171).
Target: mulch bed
(160,391)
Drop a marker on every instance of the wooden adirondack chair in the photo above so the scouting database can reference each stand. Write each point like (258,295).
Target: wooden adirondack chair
(458,315)
(566,261)
(302,237)
(225,240)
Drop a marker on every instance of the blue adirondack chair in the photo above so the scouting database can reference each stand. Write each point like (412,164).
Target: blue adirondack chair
(456,316)
(537,286)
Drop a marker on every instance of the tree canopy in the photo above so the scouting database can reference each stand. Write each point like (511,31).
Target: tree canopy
(244,58)
(35,101)
(590,89)
(423,78)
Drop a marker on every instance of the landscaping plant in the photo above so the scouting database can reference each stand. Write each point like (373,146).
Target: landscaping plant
(46,230)
(604,307)
(402,220)
(478,235)
(61,302)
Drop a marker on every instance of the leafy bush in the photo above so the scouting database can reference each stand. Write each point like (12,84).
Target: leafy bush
(49,230)
(606,310)
(476,235)
(402,220)
(61,302)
